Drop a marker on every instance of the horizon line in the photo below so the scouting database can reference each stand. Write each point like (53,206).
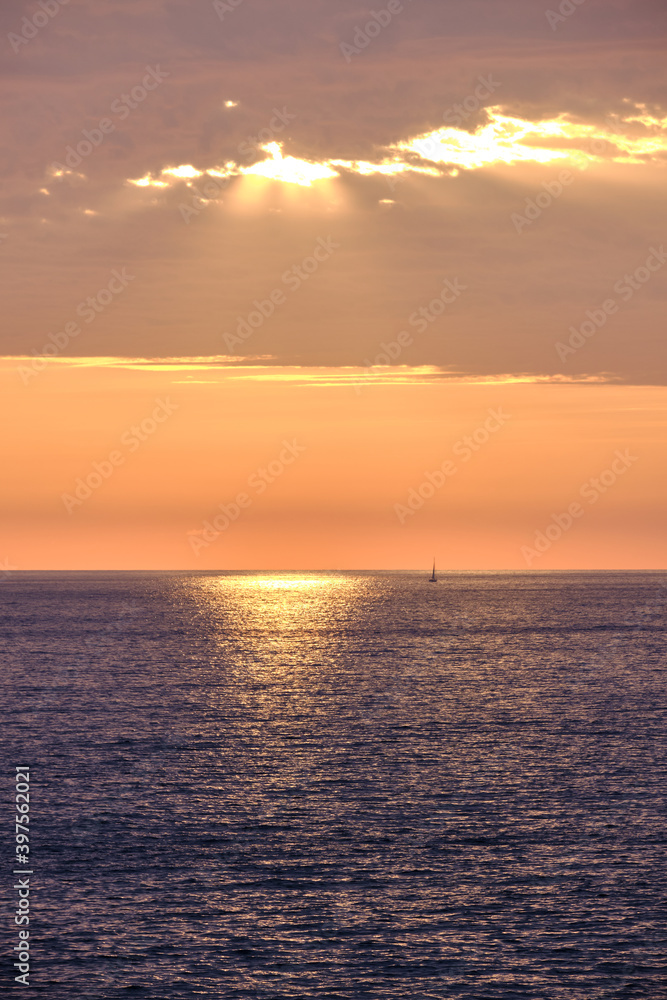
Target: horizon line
(443,573)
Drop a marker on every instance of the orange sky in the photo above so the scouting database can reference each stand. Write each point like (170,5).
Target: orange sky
(339,497)
(473,196)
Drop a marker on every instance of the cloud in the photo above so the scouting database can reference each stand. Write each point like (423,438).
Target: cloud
(261,368)
(638,137)
(374,153)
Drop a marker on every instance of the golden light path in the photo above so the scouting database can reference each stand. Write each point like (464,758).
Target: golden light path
(280,610)
(287,582)
(278,581)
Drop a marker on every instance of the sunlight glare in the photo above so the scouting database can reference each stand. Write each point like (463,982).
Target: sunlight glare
(288,169)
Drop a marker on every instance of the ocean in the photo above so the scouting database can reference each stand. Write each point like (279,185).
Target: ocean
(337,785)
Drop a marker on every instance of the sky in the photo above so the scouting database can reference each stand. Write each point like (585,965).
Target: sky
(356,237)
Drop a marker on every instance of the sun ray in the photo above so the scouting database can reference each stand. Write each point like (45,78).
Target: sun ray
(633,138)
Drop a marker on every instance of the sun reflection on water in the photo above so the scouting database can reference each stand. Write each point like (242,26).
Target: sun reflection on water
(275,637)
(280,608)
(291,582)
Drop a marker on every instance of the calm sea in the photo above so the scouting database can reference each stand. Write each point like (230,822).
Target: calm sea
(338,785)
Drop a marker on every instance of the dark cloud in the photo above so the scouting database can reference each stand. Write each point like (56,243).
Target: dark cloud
(398,240)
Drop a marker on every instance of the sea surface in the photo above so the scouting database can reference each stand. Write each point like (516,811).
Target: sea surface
(338,785)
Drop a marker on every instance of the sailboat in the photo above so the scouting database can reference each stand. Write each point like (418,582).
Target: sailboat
(433,578)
